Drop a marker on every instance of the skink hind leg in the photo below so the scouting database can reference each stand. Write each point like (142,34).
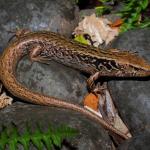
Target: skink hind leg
(18,33)
(34,53)
(21,32)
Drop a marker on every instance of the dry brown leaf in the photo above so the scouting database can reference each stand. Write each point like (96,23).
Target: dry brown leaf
(4,99)
(103,106)
(91,100)
(112,114)
(116,23)
(97,28)
(118,124)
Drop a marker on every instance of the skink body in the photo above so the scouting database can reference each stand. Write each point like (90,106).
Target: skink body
(43,46)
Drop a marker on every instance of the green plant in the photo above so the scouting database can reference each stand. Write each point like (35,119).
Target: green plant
(132,14)
(81,39)
(102,9)
(76,1)
(53,136)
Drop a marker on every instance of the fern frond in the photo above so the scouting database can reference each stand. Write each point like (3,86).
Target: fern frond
(10,137)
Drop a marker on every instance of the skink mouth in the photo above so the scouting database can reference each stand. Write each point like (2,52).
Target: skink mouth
(140,73)
(144,74)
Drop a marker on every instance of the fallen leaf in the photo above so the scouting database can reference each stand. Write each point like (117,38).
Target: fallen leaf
(98,28)
(4,99)
(116,23)
(81,39)
(92,101)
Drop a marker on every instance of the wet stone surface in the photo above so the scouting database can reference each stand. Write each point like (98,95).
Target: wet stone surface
(62,82)
(91,136)
(132,97)
(53,79)
(53,15)
(139,142)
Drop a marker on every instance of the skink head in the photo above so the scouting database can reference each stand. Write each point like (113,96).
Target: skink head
(131,64)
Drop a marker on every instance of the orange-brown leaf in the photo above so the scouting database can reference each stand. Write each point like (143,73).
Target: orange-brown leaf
(91,101)
(116,23)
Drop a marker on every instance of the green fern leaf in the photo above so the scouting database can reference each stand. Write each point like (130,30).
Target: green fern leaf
(25,138)
(53,136)
(144,4)
(56,138)
(13,137)
(3,138)
(47,141)
(67,131)
(37,139)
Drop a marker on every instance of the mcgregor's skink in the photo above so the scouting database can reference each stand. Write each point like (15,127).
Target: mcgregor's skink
(42,46)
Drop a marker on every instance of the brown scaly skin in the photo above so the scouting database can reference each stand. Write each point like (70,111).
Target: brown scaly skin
(43,46)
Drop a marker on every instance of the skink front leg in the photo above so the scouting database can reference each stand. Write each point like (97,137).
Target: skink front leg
(91,82)
(38,53)
(35,52)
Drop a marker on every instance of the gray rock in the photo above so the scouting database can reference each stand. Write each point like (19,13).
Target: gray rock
(85,12)
(62,82)
(54,15)
(132,97)
(54,80)
(91,136)
(134,40)
(140,142)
